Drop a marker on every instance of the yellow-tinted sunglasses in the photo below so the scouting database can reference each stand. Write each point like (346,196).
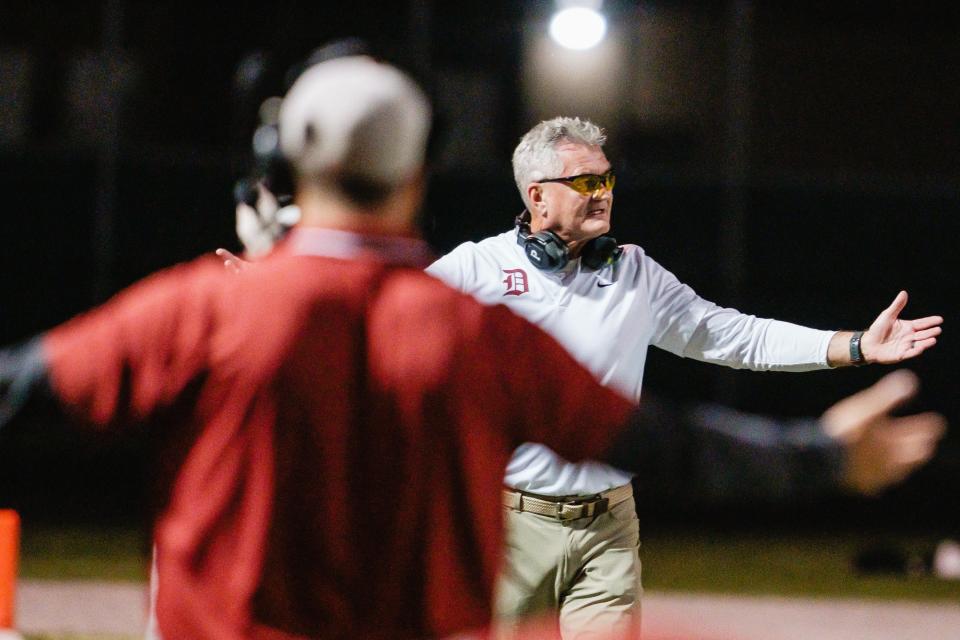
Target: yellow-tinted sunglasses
(587,183)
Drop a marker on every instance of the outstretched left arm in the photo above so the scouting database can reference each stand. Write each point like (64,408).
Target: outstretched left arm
(713,454)
(889,339)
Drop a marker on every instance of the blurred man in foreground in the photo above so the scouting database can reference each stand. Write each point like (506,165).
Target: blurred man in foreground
(333,425)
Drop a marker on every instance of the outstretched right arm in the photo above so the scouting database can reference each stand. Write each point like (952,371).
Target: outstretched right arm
(121,362)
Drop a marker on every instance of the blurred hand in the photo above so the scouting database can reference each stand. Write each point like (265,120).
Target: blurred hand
(882,450)
(260,227)
(256,227)
(232,262)
(890,340)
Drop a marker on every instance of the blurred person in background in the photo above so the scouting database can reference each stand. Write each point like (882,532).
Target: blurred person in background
(607,303)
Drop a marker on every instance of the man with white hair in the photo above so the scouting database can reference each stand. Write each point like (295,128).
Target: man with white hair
(327,466)
(607,303)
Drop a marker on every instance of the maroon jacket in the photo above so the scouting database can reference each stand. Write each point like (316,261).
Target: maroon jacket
(335,432)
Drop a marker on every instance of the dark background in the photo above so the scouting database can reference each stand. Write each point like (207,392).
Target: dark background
(795,160)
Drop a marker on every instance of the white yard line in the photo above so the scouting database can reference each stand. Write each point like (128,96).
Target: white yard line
(120,609)
(47,606)
(720,617)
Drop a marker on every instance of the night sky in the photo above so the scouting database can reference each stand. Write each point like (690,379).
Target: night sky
(795,160)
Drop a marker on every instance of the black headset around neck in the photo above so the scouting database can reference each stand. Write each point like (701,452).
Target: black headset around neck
(548,252)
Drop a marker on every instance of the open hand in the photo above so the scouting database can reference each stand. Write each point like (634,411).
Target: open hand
(890,340)
(881,449)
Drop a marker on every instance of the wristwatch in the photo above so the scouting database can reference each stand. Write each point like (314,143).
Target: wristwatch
(856,355)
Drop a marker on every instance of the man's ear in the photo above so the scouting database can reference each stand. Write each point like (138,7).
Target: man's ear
(535,197)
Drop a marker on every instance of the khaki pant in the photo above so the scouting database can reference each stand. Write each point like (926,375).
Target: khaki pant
(588,569)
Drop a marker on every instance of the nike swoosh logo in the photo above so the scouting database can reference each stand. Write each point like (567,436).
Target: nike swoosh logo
(604,284)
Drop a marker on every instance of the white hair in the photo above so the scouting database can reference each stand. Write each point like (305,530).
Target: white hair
(535,158)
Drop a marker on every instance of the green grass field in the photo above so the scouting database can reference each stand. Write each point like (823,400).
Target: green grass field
(112,554)
(781,564)
(790,565)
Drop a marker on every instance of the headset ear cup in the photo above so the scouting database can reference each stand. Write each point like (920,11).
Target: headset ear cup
(600,252)
(546,251)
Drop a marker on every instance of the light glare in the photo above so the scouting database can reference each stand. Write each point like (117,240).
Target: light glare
(578,28)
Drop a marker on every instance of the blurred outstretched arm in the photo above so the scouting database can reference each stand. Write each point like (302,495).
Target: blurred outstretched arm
(714,454)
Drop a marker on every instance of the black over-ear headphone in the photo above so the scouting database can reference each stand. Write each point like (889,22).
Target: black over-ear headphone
(270,167)
(548,252)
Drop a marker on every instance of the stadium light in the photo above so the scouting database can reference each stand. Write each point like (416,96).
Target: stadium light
(578,27)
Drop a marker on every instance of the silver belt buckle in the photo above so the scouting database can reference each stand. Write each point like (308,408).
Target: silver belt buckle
(572,503)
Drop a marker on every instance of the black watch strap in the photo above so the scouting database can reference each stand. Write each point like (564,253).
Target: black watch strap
(856,355)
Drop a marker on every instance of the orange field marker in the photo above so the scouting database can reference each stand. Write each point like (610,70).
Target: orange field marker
(9,556)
